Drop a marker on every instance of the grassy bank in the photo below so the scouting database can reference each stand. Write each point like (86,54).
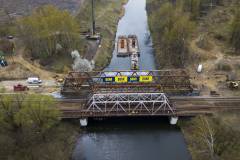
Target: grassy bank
(108,13)
(59,144)
(213,138)
(171,29)
(31,130)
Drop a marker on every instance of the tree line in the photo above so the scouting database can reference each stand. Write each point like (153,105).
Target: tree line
(197,8)
(171,28)
(26,124)
(172,24)
(235,30)
(49,30)
(211,138)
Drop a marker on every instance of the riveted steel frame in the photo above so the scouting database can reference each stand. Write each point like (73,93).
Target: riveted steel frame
(129,104)
(167,81)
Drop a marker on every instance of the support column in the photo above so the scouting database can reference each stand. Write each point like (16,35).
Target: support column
(83,122)
(173,120)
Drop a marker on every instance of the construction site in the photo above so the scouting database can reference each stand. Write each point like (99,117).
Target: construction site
(124,78)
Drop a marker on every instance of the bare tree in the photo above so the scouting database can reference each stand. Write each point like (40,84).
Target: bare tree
(207,134)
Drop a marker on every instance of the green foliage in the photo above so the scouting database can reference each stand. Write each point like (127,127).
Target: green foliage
(31,111)
(235,30)
(47,27)
(38,113)
(6,47)
(6,29)
(25,122)
(192,6)
(171,29)
(198,8)
(2,89)
(210,138)
(8,110)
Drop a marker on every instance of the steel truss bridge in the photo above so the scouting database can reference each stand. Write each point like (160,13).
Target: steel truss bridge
(126,104)
(171,82)
(126,93)
(158,105)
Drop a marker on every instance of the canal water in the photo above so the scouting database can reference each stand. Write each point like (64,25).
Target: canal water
(134,22)
(132,138)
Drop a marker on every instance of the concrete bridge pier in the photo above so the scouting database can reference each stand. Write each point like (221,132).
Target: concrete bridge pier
(83,122)
(173,120)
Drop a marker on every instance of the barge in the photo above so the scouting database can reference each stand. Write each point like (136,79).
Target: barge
(133,45)
(127,45)
(122,46)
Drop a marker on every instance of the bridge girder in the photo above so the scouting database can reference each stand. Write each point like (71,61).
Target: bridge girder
(129,104)
(167,81)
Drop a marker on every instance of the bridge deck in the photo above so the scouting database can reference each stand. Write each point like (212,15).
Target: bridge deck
(167,81)
(183,106)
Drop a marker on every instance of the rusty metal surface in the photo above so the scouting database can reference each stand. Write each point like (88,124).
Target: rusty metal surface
(167,81)
(182,106)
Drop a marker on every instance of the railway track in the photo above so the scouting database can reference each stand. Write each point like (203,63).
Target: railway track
(182,106)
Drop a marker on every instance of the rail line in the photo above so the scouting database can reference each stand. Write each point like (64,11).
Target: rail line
(182,106)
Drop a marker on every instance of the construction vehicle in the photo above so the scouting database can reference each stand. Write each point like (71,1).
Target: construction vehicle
(233,84)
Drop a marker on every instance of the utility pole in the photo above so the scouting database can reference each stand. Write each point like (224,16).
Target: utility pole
(93,19)
(211,4)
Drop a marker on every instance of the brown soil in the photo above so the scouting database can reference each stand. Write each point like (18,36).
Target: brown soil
(212,79)
(14,72)
(34,68)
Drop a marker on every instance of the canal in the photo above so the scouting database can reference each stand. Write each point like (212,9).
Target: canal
(134,22)
(132,138)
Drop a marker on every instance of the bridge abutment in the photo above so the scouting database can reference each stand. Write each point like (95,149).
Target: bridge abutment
(83,122)
(173,120)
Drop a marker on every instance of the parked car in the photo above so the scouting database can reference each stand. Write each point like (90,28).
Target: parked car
(34,80)
(20,87)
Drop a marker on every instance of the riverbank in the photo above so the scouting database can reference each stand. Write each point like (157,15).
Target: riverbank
(107,14)
(222,128)
(58,144)
(207,137)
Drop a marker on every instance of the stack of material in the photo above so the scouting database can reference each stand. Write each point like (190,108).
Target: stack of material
(133,44)
(127,45)
(122,48)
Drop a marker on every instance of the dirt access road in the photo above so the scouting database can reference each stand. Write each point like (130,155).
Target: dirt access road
(212,78)
(34,68)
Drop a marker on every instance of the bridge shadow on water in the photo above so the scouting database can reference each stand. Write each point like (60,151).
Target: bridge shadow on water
(131,123)
(138,138)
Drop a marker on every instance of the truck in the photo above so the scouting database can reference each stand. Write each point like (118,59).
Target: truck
(34,80)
